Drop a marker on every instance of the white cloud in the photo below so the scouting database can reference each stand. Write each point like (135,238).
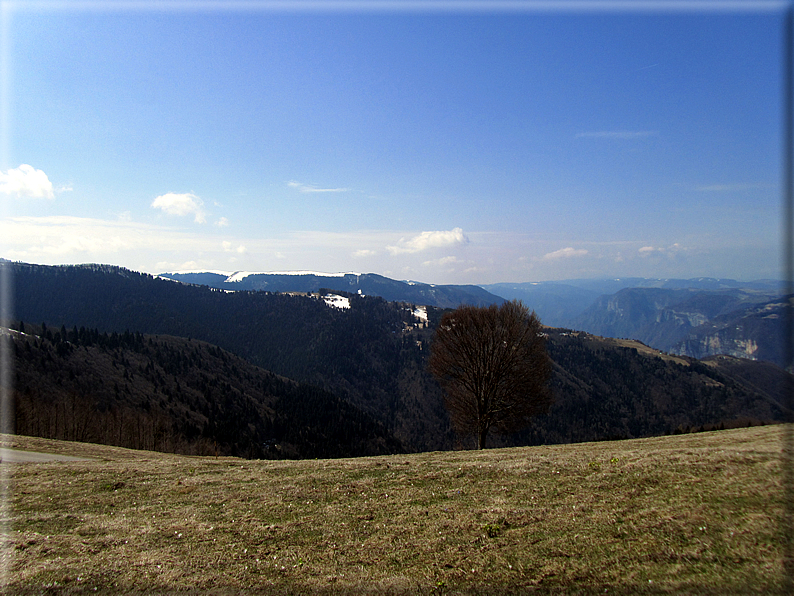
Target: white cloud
(181,204)
(26,181)
(427,240)
(65,239)
(618,134)
(57,237)
(157,248)
(222,222)
(189,266)
(311,188)
(364,252)
(442,261)
(670,251)
(229,247)
(566,253)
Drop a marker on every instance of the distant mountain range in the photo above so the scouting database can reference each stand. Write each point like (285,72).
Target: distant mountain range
(754,332)
(561,303)
(370,284)
(371,355)
(557,303)
(691,322)
(695,317)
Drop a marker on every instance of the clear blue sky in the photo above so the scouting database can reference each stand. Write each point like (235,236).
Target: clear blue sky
(457,146)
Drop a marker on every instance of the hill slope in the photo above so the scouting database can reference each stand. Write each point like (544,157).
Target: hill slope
(174,394)
(371,354)
(370,284)
(692,514)
(608,388)
(374,353)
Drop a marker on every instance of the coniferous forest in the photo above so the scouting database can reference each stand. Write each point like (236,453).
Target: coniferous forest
(109,355)
(173,394)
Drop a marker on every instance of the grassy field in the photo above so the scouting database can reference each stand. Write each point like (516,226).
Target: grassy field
(696,513)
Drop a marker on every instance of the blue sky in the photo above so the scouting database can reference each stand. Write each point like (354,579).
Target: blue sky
(454,146)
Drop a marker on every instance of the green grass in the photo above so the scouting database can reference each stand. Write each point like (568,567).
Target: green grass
(696,514)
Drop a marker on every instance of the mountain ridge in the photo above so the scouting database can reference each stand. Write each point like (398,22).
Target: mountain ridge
(176,394)
(373,355)
(693,322)
(370,284)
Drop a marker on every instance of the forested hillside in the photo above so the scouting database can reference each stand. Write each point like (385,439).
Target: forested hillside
(607,390)
(373,355)
(178,395)
(370,284)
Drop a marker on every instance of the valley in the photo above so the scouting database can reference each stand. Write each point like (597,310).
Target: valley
(695,317)
(207,370)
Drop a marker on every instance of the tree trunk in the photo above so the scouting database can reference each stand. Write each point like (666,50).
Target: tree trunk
(481,438)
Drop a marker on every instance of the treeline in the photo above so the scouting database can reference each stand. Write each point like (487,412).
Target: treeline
(370,355)
(177,395)
(373,356)
(619,393)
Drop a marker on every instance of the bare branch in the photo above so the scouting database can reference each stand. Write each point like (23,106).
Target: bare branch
(492,364)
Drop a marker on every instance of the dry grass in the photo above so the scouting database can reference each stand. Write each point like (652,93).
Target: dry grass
(687,514)
(643,349)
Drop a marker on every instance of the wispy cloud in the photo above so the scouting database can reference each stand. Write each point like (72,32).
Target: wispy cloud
(60,239)
(27,181)
(426,240)
(618,134)
(222,222)
(229,247)
(181,204)
(442,262)
(311,188)
(565,253)
(69,237)
(647,251)
(364,252)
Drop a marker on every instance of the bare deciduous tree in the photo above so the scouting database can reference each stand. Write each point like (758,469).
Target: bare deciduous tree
(492,364)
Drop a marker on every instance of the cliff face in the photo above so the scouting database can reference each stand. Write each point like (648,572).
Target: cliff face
(720,342)
(696,323)
(755,333)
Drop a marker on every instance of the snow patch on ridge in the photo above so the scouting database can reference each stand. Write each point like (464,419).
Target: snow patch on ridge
(336,301)
(421,313)
(238,276)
